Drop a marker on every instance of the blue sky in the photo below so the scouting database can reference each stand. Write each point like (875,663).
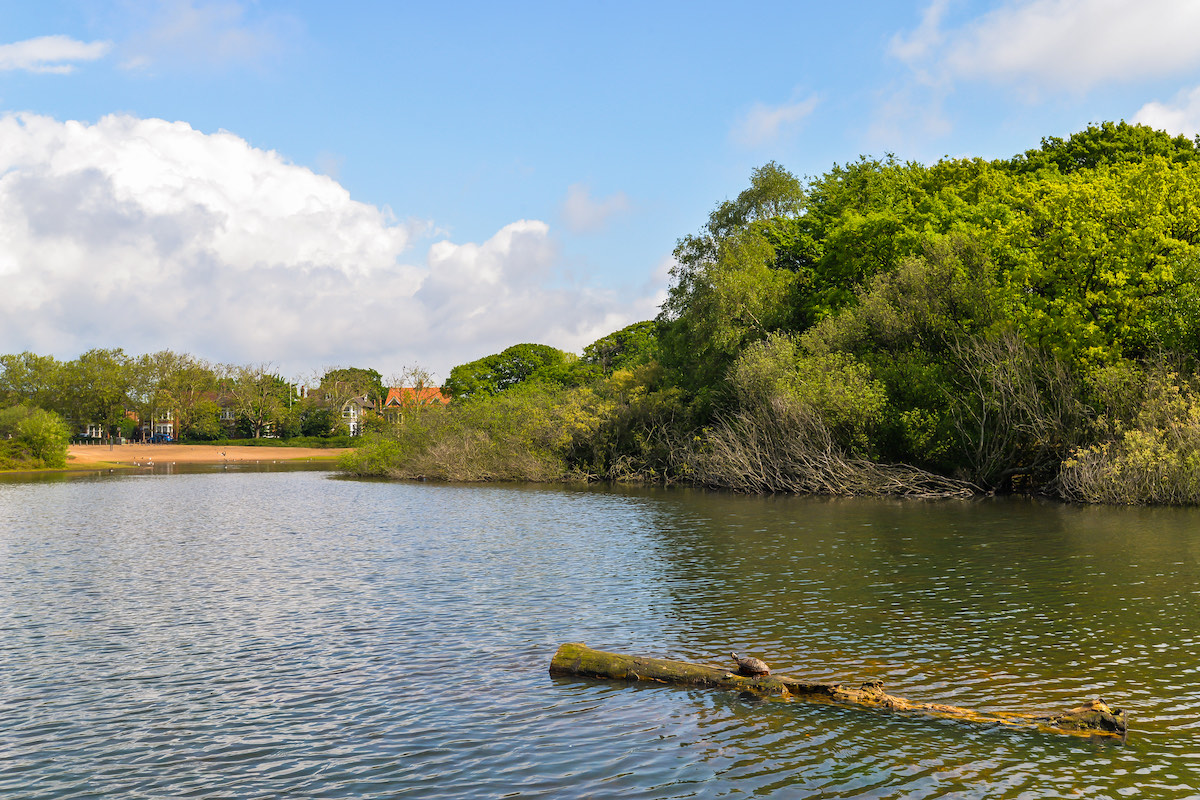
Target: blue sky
(386,183)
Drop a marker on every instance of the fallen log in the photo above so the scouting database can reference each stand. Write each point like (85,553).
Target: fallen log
(577,660)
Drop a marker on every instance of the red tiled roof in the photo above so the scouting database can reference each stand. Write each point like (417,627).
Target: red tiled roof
(409,395)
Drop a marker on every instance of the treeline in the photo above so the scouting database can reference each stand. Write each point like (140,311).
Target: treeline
(1025,324)
(107,393)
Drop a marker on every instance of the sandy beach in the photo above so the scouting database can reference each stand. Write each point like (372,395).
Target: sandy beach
(87,455)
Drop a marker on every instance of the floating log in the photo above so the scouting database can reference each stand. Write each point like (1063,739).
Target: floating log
(577,660)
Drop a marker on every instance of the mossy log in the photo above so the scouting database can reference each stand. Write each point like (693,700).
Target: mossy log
(1091,719)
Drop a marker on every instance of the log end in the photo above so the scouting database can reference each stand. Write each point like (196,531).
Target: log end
(569,658)
(1095,717)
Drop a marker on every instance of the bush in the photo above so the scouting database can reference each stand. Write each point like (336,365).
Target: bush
(524,434)
(40,435)
(833,387)
(1156,459)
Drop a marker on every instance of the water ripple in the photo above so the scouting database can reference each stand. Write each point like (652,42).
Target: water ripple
(286,634)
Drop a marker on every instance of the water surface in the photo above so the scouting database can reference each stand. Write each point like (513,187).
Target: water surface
(291,634)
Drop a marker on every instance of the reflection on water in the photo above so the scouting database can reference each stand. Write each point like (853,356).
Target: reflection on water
(287,633)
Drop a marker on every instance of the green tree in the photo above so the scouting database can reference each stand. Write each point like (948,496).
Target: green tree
(202,421)
(343,383)
(1103,145)
(96,388)
(630,347)
(259,396)
(30,379)
(716,307)
(494,374)
(186,386)
(42,434)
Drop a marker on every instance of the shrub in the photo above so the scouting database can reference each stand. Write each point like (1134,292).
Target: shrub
(832,387)
(41,435)
(1155,459)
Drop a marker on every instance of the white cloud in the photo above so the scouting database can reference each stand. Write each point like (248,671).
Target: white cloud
(763,124)
(583,214)
(917,46)
(481,298)
(1182,116)
(207,34)
(1069,45)
(146,234)
(49,54)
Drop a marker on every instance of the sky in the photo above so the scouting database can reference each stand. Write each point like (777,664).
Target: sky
(389,184)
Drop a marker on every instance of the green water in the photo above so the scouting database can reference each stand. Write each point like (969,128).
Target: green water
(291,634)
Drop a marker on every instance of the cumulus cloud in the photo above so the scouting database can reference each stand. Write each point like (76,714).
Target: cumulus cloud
(147,234)
(49,54)
(1058,44)
(764,124)
(1181,116)
(583,214)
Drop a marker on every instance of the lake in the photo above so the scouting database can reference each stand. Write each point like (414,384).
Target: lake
(290,633)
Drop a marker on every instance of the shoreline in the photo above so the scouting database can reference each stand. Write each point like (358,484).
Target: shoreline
(90,456)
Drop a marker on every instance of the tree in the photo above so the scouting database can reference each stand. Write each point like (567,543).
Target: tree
(343,383)
(494,374)
(259,396)
(185,385)
(96,388)
(322,412)
(202,421)
(716,307)
(42,434)
(632,346)
(30,379)
(1102,145)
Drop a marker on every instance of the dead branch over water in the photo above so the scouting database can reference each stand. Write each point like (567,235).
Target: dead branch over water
(783,448)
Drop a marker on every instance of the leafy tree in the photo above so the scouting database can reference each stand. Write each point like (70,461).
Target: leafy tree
(259,397)
(625,349)
(1104,263)
(202,421)
(42,434)
(343,383)
(494,374)
(716,307)
(187,386)
(30,379)
(96,388)
(1103,145)
(319,418)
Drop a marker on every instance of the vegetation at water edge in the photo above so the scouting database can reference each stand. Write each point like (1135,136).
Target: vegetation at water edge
(1021,324)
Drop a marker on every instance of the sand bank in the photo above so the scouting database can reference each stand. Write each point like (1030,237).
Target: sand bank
(86,455)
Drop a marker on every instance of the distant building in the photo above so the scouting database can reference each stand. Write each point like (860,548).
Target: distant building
(405,398)
(354,411)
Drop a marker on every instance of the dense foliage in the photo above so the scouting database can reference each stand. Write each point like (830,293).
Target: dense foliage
(1028,323)
(106,392)
(1022,324)
(31,438)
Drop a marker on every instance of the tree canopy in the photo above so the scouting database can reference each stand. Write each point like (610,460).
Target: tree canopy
(493,374)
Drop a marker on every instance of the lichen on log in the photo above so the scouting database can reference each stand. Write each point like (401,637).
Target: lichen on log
(578,660)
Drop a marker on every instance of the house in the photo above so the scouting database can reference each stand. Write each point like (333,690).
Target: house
(160,427)
(354,411)
(403,398)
